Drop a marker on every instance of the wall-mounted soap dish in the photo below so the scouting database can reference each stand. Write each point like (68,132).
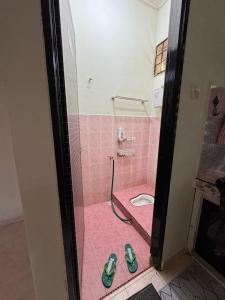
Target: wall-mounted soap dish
(126,152)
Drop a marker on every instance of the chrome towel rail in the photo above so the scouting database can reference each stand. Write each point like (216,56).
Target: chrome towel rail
(129,99)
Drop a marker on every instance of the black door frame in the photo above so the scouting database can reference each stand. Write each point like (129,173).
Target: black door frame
(54,62)
(172,86)
(50,10)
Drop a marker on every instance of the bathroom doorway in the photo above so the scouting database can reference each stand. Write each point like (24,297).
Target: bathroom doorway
(112,85)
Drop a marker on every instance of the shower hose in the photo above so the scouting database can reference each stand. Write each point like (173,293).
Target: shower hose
(125,220)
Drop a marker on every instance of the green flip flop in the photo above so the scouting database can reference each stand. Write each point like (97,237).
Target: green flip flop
(109,271)
(131,258)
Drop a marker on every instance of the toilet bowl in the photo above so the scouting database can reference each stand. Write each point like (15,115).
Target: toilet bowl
(142,199)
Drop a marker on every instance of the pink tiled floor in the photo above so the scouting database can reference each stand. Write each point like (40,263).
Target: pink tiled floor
(142,214)
(105,234)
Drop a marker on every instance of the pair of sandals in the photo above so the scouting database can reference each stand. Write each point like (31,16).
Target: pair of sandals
(110,266)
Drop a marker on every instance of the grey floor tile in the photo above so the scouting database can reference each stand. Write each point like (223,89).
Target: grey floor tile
(193,284)
(186,289)
(167,290)
(210,296)
(176,282)
(178,294)
(165,296)
(219,289)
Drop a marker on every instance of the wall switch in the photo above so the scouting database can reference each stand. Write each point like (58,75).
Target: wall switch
(195,92)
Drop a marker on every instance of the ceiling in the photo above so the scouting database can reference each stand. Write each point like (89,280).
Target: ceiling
(155,3)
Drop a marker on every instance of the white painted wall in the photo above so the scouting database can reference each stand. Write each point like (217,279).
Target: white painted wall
(10,202)
(24,89)
(69,57)
(204,62)
(115,43)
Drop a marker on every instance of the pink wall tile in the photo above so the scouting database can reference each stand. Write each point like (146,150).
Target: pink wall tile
(99,140)
(76,174)
(153,151)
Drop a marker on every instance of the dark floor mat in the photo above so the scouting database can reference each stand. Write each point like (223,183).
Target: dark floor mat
(148,293)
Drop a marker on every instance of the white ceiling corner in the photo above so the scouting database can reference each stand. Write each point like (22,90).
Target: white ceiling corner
(155,3)
(152,3)
(161,3)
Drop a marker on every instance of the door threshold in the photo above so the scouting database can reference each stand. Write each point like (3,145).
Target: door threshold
(159,279)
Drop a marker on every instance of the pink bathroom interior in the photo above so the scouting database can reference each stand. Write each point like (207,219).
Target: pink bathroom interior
(120,73)
(134,175)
